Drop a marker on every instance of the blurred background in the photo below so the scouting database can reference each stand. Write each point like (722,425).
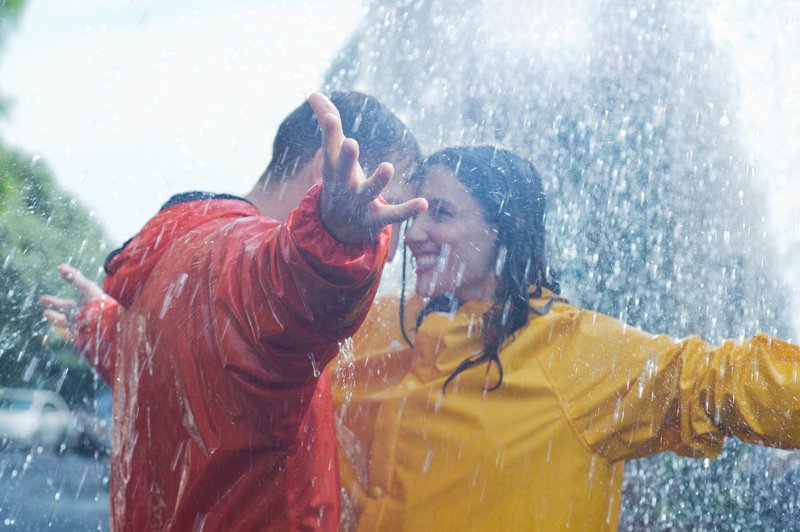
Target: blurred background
(668,137)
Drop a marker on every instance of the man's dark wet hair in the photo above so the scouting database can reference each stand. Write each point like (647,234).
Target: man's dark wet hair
(380,134)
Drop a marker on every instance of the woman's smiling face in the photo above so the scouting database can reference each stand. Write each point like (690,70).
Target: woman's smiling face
(452,244)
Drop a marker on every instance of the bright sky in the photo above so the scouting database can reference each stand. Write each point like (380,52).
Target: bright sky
(131,101)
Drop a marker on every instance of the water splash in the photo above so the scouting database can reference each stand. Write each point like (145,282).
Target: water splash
(345,368)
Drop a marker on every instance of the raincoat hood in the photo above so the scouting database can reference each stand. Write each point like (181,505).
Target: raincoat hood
(129,266)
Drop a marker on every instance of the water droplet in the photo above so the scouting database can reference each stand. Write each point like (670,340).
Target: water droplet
(427,464)
(346,367)
(314,369)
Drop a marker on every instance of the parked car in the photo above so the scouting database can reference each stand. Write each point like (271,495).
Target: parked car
(33,417)
(90,431)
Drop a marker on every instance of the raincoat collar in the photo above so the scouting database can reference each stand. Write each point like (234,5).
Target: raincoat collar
(128,267)
(444,339)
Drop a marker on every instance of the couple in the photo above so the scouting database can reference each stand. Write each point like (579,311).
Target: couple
(483,402)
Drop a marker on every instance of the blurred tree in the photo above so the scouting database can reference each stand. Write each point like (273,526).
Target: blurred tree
(40,227)
(629,111)
(9,14)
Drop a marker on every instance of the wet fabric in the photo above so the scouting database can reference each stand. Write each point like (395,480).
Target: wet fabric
(214,337)
(174,200)
(581,394)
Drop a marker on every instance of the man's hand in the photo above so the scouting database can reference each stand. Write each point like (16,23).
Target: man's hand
(61,313)
(349,207)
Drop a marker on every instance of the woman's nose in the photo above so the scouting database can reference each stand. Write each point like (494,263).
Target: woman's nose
(416,231)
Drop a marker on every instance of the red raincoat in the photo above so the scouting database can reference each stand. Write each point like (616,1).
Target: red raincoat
(220,324)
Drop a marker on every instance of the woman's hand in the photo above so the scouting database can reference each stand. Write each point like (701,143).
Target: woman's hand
(349,207)
(61,313)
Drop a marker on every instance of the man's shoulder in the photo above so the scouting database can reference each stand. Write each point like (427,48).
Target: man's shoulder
(181,214)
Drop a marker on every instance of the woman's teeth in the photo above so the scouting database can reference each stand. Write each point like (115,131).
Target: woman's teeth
(427,260)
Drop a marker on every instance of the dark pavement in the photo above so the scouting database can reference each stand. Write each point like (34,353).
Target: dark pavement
(41,490)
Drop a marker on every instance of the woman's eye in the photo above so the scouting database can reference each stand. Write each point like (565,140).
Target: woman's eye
(441,212)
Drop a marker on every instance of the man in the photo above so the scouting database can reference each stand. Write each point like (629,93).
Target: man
(220,317)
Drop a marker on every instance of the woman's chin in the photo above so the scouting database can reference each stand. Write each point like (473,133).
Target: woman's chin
(422,292)
(426,290)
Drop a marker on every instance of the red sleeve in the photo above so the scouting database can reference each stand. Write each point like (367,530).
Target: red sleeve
(96,338)
(296,291)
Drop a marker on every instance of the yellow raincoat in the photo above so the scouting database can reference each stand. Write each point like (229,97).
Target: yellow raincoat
(581,394)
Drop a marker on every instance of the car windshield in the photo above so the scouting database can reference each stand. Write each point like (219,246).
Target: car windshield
(17,405)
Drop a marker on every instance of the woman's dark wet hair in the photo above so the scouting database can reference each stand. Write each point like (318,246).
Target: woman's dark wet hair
(509,190)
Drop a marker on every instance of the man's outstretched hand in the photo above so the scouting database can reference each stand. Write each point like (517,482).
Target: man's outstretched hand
(61,313)
(349,207)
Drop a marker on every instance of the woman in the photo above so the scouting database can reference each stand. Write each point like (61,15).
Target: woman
(499,406)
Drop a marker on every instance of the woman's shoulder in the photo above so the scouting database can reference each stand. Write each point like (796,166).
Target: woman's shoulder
(382,324)
(547,302)
(378,351)
(386,310)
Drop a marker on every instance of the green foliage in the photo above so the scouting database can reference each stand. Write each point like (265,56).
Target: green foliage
(40,227)
(9,14)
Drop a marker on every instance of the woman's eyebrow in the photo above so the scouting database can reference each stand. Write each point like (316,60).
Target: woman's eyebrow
(438,201)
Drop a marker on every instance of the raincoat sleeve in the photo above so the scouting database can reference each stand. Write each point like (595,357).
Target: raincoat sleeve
(294,291)
(630,394)
(98,325)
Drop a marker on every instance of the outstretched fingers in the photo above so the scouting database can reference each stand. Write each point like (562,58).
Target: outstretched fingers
(347,171)
(58,311)
(372,187)
(57,304)
(332,139)
(56,319)
(61,312)
(392,214)
(330,124)
(322,105)
(348,206)
(87,289)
